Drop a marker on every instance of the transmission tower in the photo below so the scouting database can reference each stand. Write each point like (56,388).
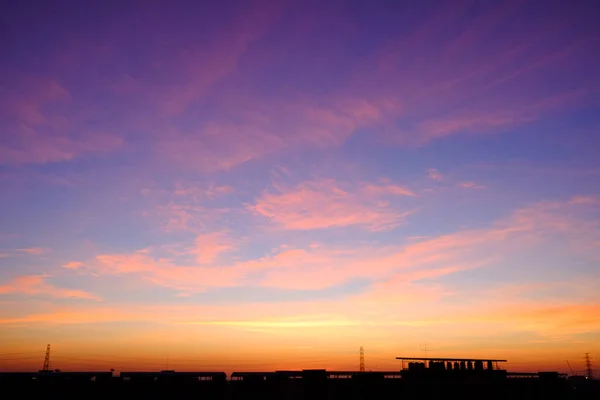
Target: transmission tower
(362,360)
(47,359)
(588,366)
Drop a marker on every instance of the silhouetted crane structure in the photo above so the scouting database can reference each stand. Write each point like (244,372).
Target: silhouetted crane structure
(588,366)
(46,366)
(362,360)
(569,364)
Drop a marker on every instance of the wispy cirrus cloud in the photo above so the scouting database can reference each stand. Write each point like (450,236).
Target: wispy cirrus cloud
(37,285)
(325,203)
(273,127)
(458,94)
(29,113)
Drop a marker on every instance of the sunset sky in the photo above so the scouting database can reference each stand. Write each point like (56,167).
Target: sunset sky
(261,185)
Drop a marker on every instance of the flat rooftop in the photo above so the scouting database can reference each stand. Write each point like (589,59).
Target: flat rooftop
(447,359)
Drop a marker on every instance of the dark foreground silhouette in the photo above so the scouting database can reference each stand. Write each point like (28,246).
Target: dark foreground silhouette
(413,383)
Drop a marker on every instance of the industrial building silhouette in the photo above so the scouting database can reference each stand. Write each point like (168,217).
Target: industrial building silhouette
(418,378)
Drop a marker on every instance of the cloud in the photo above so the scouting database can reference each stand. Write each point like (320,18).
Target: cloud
(466,249)
(268,127)
(207,247)
(38,251)
(206,64)
(452,92)
(28,115)
(585,200)
(435,174)
(39,149)
(470,185)
(163,272)
(187,216)
(201,192)
(219,146)
(323,203)
(401,267)
(192,206)
(470,122)
(73,265)
(37,285)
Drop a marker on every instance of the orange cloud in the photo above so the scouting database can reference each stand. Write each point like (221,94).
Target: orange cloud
(36,285)
(323,204)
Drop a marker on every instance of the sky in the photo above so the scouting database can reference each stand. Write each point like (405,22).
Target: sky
(261,185)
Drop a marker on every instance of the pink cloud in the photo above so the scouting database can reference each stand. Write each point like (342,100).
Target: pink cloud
(73,265)
(39,149)
(164,272)
(451,93)
(207,247)
(435,174)
(36,285)
(470,122)
(272,127)
(470,185)
(487,119)
(392,267)
(584,200)
(189,216)
(183,209)
(431,257)
(37,251)
(201,192)
(323,203)
(384,189)
(211,62)
(31,116)
(219,146)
